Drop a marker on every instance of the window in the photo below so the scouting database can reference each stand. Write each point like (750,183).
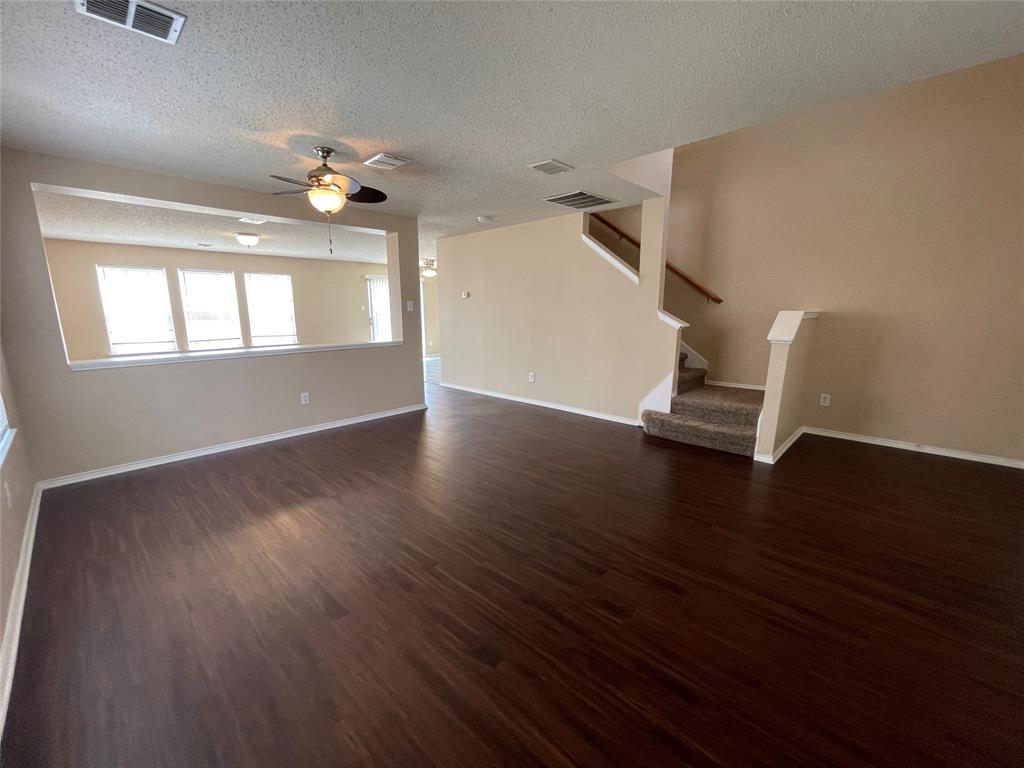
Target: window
(6,433)
(211,309)
(137,310)
(380,308)
(271,309)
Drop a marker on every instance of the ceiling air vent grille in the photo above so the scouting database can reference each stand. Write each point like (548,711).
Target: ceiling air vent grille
(551,167)
(145,18)
(385,162)
(579,200)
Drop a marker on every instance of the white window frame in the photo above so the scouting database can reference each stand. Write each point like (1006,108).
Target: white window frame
(6,432)
(184,309)
(170,307)
(374,330)
(248,310)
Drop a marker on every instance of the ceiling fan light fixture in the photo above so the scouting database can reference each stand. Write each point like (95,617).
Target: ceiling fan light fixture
(328,199)
(248,239)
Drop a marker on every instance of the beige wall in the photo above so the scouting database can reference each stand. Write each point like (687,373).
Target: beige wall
(431,315)
(16,479)
(541,301)
(330,296)
(76,421)
(900,216)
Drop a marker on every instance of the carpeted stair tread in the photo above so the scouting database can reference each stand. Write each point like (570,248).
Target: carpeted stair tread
(720,405)
(690,378)
(720,437)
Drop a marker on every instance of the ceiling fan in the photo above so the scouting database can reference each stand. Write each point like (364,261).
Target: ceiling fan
(327,189)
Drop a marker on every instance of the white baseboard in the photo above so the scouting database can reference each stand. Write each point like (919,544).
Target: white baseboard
(771,458)
(887,443)
(545,404)
(131,466)
(16,607)
(920,447)
(734,385)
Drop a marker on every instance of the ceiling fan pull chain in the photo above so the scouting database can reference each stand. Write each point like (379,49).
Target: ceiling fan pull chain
(330,241)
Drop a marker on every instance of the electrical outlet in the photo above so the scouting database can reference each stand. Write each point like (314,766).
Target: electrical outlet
(465,294)
(825,400)
(532,377)
(409,306)
(304,398)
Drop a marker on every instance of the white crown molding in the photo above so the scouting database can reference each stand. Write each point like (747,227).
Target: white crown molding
(545,404)
(131,466)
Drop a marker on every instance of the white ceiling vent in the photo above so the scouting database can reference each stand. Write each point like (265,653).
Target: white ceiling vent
(145,18)
(551,167)
(579,200)
(385,162)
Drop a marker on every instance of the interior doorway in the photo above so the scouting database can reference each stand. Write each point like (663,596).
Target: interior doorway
(430,323)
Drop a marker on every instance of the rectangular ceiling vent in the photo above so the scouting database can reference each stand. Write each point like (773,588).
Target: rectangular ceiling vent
(385,162)
(579,200)
(145,18)
(551,167)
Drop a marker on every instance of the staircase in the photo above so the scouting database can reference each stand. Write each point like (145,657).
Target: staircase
(722,418)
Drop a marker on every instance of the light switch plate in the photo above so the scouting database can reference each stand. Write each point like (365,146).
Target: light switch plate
(409,306)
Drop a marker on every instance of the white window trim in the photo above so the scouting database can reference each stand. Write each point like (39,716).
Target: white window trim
(6,433)
(170,302)
(248,306)
(166,358)
(184,306)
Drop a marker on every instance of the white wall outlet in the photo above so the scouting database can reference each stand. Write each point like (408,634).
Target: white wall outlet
(532,377)
(430,342)
(465,294)
(304,398)
(824,400)
(409,306)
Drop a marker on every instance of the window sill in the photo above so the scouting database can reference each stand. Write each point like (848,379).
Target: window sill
(166,358)
(5,443)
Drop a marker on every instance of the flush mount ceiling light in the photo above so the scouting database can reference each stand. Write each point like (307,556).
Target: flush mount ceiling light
(248,239)
(429,268)
(252,220)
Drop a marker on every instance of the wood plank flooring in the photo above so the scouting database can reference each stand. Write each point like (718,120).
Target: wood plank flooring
(494,584)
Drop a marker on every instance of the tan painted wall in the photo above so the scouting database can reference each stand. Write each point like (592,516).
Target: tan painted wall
(901,216)
(627,220)
(330,296)
(431,315)
(77,421)
(541,301)
(15,476)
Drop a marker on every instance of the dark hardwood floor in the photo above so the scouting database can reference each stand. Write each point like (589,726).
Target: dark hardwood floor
(493,584)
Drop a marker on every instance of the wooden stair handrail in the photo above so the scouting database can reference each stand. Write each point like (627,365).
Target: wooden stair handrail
(706,292)
(622,235)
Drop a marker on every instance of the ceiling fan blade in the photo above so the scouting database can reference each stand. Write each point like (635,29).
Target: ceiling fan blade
(291,192)
(291,181)
(367,195)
